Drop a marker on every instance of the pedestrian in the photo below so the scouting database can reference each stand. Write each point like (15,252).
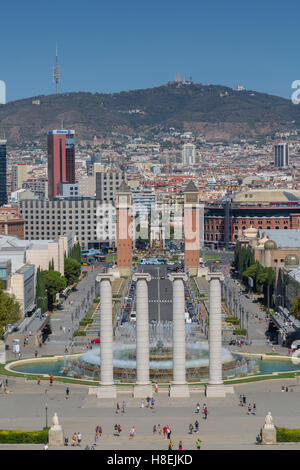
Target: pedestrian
(154,430)
(165,431)
(191,428)
(142,403)
(169,432)
(132,433)
(6,382)
(79,438)
(198,444)
(254,409)
(244,400)
(286,389)
(249,409)
(74,439)
(123,407)
(51,379)
(119,429)
(197,408)
(282,388)
(152,403)
(39,380)
(67,392)
(118,408)
(205,413)
(196,426)
(159,429)
(241,400)
(148,399)
(35,353)
(156,388)
(180,445)
(116,430)
(46,446)
(170,445)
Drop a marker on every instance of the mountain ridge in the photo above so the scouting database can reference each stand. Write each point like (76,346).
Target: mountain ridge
(216,111)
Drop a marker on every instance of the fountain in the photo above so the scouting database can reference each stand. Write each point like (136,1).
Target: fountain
(160,336)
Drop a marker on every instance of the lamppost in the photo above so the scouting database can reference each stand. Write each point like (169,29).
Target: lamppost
(46,409)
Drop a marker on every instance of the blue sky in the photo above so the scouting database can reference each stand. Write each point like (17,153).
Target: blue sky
(119,45)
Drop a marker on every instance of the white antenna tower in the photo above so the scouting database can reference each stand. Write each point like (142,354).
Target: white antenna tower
(56,74)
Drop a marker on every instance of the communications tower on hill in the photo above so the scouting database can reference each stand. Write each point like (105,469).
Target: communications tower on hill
(56,74)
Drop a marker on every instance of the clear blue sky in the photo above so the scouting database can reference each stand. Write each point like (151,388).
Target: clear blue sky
(115,45)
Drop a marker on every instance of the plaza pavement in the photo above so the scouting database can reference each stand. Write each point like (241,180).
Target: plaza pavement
(228,426)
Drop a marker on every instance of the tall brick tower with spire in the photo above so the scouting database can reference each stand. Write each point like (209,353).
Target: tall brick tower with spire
(124,228)
(191,228)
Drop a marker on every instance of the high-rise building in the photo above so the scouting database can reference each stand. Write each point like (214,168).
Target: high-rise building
(61,159)
(18,175)
(3,169)
(188,154)
(107,183)
(281,154)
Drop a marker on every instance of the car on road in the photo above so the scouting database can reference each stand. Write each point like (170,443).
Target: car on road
(95,340)
(132,316)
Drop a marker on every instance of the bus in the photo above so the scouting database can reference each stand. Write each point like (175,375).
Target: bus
(152,261)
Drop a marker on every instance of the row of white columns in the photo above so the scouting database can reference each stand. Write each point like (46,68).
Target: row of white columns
(179,386)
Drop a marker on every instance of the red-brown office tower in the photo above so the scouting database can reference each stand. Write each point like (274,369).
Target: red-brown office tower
(124,228)
(61,159)
(191,228)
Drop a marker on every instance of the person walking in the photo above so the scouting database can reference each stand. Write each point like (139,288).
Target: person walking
(169,432)
(142,404)
(159,429)
(254,409)
(119,429)
(249,409)
(39,380)
(196,426)
(198,444)
(123,407)
(117,408)
(154,430)
(197,408)
(152,403)
(74,439)
(67,392)
(148,399)
(156,388)
(170,445)
(205,413)
(51,379)
(165,429)
(191,428)
(132,433)
(79,439)
(180,445)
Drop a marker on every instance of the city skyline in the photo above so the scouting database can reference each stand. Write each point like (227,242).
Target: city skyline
(119,48)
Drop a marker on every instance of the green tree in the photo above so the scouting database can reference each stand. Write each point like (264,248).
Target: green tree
(54,283)
(9,310)
(295,307)
(40,292)
(72,270)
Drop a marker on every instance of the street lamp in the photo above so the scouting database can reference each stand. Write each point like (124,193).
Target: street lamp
(46,408)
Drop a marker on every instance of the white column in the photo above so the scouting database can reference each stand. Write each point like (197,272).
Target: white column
(143,387)
(215,384)
(106,388)
(179,387)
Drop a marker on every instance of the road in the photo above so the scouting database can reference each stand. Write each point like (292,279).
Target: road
(160,293)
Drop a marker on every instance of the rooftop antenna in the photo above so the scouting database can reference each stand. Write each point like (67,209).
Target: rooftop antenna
(56,74)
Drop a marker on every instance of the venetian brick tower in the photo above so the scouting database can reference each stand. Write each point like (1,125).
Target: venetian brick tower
(191,228)
(124,228)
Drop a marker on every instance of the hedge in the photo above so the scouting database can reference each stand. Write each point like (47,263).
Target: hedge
(240,332)
(233,320)
(287,435)
(79,333)
(24,437)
